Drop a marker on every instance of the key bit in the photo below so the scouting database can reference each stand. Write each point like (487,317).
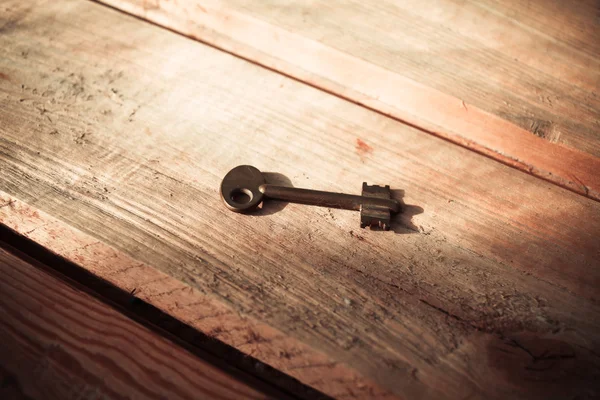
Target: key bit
(245,187)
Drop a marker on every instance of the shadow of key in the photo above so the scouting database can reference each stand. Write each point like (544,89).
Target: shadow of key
(402,222)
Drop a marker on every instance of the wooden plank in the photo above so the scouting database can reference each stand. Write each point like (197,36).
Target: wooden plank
(125,136)
(211,316)
(60,343)
(487,75)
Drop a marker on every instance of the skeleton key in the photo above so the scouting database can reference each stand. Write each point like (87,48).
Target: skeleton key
(244,188)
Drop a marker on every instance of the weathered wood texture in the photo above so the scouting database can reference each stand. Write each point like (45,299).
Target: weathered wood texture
(60,343)
(488,288)
(207,314)
(508,79)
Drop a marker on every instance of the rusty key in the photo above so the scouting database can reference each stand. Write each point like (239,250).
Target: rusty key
(244,188)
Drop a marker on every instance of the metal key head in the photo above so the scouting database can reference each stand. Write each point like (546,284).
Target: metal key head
(374,215)
(240,188)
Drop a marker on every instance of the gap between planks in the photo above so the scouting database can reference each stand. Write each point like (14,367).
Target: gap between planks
(59,342)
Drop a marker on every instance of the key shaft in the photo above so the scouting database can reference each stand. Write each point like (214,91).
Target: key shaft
(326,199)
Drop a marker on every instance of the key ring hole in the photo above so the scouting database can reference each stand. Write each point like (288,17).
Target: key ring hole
(241,196)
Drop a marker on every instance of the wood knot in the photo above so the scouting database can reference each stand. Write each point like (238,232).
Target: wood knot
(537,365)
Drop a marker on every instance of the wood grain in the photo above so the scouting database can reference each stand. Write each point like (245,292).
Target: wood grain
(498,77)
(61,343)
(490,273)
(181,300)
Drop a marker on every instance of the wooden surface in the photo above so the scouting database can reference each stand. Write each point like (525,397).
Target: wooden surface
(112,148)
(192,306)
(60,343)
(517,81)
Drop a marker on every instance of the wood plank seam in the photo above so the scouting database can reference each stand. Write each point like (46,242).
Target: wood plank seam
(60,326)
